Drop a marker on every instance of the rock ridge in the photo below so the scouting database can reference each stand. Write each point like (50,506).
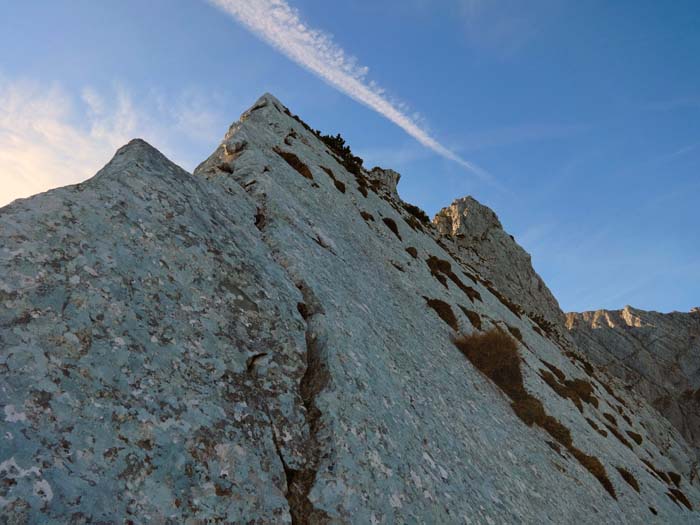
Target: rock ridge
(654,354)
(271,340)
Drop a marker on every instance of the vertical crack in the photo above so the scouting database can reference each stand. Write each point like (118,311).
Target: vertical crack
(315,379)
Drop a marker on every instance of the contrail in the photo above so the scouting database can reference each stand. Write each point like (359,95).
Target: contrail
(280,25)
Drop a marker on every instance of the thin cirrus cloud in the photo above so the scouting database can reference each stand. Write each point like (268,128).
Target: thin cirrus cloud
(280,25)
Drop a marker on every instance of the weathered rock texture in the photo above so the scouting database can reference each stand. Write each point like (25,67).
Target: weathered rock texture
(270,340)
(656,355)
(483,244)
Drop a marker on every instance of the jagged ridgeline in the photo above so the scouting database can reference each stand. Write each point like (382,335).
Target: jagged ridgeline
(279,338)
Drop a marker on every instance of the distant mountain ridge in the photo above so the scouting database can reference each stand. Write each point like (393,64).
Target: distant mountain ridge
(279,338)
(656,355)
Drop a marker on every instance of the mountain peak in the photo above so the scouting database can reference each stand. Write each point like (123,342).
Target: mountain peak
(279,338)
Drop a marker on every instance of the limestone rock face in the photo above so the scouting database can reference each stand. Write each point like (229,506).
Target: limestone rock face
(483,244)
(389,179)
(270,340)
(656,355)
(150,348)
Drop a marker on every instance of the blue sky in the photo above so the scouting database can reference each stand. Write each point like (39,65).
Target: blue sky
(585,115)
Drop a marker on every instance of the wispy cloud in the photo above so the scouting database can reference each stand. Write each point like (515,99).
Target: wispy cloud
(281,26)
(682,151)
(50,137)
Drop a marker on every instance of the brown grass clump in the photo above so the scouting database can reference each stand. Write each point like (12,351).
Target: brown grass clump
(678,496)
(597,428)
(658,473)
(607,388)
(295,163)
(635,437)
(442,270)
(675,477)
(577,390)
(615,432)
(515,332)
(412,252)
(496,355)
(338,185)
(438,269)
(367,216)
(545,325)
(587,367)
(584,390)
(530,410)
(443,310)
(629,478)
(473,317)
(610,418)
(362,188)
(391,224)
(596,468)
(414,223)
(560,375)
(417,213)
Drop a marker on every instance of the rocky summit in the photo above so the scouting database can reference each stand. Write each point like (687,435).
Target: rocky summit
(279,338)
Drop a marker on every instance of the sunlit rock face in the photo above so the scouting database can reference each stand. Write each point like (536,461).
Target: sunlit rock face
(483,244)
(656,355)
(270,340)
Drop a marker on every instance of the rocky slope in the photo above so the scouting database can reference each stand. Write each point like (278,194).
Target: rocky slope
(273,339)
(656,355)
(482,244)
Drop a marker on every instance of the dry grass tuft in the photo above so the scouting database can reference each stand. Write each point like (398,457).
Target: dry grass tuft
(515,332)
(417,213)
(442,270)
(443,310)
(295,163)
(610,418)
(635,437)
(495,354)
(560,375)
(338,185)
(596,468)
(675,477)
(473,317)
(367,216)
(615,432)
(595,427)
(678,496)
(658,473)
(412,252)
(391,224)
(629,478)
(577,390)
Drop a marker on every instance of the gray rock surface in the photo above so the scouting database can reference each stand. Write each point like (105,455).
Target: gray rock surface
(657,355)
(255,344)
